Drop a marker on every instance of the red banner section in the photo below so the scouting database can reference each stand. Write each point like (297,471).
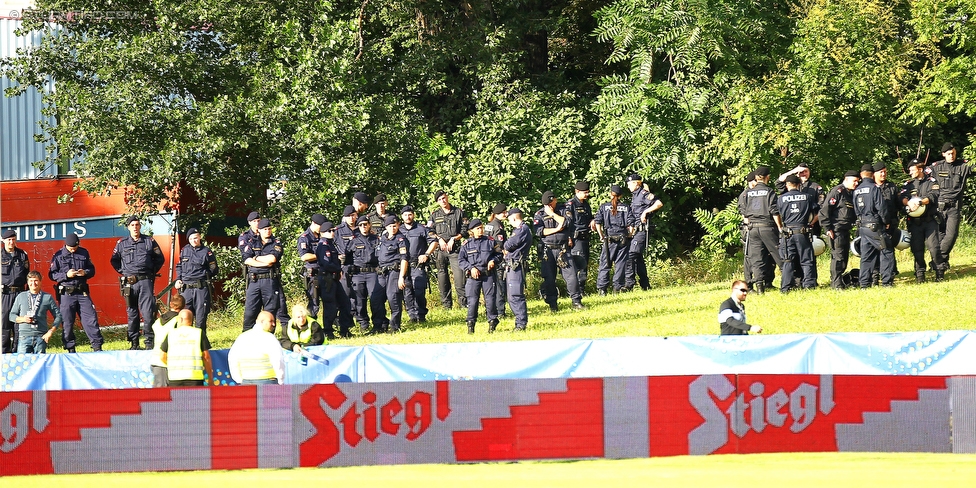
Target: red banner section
(472,421)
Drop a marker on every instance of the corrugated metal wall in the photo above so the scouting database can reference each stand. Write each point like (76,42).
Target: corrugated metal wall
(19,116)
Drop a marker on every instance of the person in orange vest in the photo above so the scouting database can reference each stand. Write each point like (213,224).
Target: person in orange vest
(186,351)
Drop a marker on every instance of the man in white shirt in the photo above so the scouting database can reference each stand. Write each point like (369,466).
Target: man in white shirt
(256,357)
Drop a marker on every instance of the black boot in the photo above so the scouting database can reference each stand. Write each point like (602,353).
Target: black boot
(602,292)
(491,325)
(578,305)
(471,327)
(134,345)
(939,275)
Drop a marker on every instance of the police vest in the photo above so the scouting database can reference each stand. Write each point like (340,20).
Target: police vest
(185,355)
(300,336)
(161,330)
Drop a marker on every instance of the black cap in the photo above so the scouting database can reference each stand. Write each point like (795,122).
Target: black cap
(131,219)
(7,234)
(792,180)
(191,231)
(474,223)
(751,176)
(501,207)
(616,190)
(349,210)
(390,220)
(582,186)
(762,171)
(916,162)
(853,173)
(264,223)
(514,210)
(380,197)
(548,197)
(867,168)
(947,146)
(633,177)
(361,197)
(438,194)
(326,226)
(253,216)
(880,166)
(803,165)
(71,240)
(318,219)
(361,219)
(405,209)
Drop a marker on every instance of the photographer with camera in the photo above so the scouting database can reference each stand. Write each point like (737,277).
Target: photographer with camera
(30,310)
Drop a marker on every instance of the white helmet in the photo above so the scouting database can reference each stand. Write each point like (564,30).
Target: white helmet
(819,246)
(856,246)
(904,242)
(918,211)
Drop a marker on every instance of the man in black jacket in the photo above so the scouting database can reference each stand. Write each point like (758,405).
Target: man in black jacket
(732,312)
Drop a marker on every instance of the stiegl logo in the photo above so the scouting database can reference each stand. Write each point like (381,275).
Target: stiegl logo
(754,410)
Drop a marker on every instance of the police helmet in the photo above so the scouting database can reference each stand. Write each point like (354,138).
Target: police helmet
(856,246)
(905,241)
(819,246)
(918,211)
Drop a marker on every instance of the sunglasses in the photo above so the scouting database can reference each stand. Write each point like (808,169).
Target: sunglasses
(743,290)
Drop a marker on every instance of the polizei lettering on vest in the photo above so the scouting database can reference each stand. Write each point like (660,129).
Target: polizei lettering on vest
(753,410)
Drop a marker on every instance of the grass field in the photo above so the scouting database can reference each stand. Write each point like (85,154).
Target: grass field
(832,470)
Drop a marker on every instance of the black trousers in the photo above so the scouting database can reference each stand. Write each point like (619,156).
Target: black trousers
(840,251)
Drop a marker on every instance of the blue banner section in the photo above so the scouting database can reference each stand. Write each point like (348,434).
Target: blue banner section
(945,353)
(86,228)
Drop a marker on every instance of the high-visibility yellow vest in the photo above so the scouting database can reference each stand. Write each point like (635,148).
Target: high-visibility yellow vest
(300,336)
(185,355)
(161,330)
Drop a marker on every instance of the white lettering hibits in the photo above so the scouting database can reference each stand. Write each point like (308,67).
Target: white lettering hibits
(753,413)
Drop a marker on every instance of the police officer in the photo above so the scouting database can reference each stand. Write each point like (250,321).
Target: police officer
(379,214)
(138,258)
(194,277)
(495,230)
(263,260)
(71,267)
(394,268)
(246,239)
(446,224)
(360,202)
(837,218)
(872,213)
(798,210)
(951,174)
(335,302)
(890,195)
(762,218)
(642,204)
(420,247)
(613,222)
(16,265)
(807,185)
(365,279)
(553,225)
(479,258)
(921,192)
(583,224)
(516,253)
(344,234)
(307,242)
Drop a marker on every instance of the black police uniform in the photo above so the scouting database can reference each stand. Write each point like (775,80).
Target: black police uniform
(518,248)
(15,266)
(875,244)
(393,258)
(445,225)
(837,215)
(74,296)
(477,253)
(582,216)
(335,302)
(758,205)
(307,243)
(138,261)
(924,229)
(415,295)
(495,230)
(615,221)
(797,209)
(554,252)
(951,178)
(365,281)
(343,242)
(243,241)
(197,269)
(263,283)
(641,201)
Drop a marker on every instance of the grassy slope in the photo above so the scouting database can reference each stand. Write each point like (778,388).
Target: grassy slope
(692,309)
